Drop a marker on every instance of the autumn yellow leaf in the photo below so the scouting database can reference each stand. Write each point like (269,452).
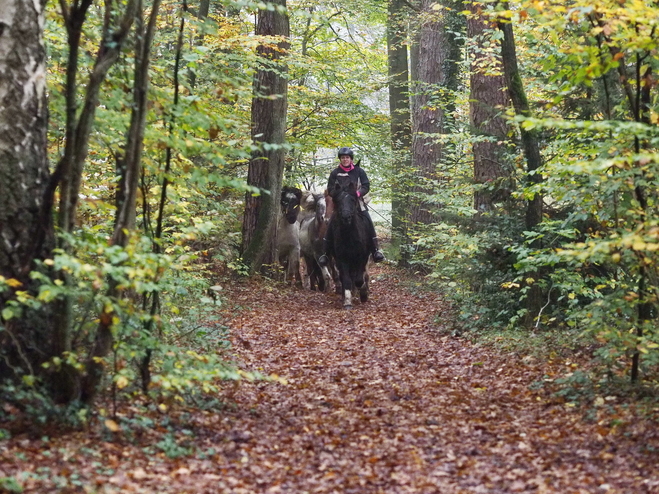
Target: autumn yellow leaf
(112,425)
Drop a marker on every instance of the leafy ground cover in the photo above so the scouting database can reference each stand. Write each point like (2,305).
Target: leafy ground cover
(377,399)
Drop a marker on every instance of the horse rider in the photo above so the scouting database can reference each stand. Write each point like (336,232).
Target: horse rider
(357,175)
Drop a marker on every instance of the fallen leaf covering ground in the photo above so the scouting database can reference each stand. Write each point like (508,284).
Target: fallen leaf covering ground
(377,400)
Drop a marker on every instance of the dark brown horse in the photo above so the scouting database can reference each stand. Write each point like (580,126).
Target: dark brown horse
(349,242)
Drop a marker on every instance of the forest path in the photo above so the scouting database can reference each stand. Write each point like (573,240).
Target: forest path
(378,400)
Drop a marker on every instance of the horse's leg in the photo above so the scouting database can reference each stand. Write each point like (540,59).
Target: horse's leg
(310,263)
(284,265)
(346,284)
(337,279)
(326,278)
(363,290)
(318,276)
(347,299)
(358,277)
(294,263)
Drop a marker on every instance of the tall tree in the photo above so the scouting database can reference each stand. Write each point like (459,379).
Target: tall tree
(266,166)
(127,209)
(488,100)
(428,57)
(531,148)
(79,124)
(639,91)
(24,181)
(434,76)
(399,110)
(530,138)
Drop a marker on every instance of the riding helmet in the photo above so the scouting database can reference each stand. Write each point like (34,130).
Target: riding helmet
(346,152)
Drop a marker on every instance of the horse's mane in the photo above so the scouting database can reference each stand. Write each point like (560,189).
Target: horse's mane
(310,200)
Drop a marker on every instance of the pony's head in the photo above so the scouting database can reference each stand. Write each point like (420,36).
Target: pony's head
(290,203)
(321,207)
(346,202)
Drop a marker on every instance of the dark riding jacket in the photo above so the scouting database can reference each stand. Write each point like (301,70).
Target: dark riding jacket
(357,176)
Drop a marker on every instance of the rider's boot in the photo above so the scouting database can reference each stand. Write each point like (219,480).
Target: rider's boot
(378,256)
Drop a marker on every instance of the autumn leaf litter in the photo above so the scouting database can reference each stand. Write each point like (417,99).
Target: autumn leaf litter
(376,399)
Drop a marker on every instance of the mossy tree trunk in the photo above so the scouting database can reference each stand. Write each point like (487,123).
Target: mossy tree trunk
(266,166)
(399,109)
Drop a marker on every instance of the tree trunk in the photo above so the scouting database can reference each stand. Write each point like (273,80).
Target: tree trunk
(531,147)
(435,76)
(488,100)
(530,140)
(125,221)
(642,114)
(79,125)
(399,109)
(26,340)
(266,166)
(427,118)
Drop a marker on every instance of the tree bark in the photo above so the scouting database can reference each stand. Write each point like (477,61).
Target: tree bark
(399,109)
(266,167)
(24,176)
(427,117)
(488,100)
(530,139)
(435,75)
(531,148)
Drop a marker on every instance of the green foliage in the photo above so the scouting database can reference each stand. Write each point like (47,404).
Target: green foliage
(336,68)
(179,371)
(196,146)
(173,448)
(593,259)
(9,484)
(30,400)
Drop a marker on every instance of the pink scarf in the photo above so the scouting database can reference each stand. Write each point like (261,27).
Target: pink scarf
(351,167)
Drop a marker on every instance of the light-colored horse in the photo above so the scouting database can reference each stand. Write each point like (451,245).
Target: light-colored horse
(288,234)
(313,227)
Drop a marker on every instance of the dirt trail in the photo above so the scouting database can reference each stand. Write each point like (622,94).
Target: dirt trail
(377,401)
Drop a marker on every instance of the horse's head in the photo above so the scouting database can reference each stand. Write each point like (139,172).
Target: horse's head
(346,202)
(290,203)
(321,208)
